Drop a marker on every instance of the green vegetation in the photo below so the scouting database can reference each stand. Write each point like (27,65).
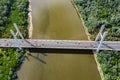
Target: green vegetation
(12,11)
(4,14)
(10,59)
(95,13)
(110,64)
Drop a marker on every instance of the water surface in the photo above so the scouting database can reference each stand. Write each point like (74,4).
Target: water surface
(57,19)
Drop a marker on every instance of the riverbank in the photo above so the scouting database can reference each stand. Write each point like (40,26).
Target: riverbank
(88,34)
(94,19)
(85,28)
(30,28)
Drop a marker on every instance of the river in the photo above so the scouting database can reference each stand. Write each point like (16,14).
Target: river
(57,19)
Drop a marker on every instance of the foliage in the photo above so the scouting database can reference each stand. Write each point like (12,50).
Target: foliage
(9,61)
(12,11)
(4,13)
(96,13)
(110,64)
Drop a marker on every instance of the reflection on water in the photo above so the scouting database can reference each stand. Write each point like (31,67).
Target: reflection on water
(57,19)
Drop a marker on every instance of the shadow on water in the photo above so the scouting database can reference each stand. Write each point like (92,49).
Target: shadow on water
(37,58)
(27,56)
(60,51)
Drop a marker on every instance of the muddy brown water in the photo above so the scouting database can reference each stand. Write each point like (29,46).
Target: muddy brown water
(57,19)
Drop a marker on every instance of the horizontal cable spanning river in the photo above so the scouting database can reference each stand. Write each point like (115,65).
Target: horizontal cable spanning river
(58,20)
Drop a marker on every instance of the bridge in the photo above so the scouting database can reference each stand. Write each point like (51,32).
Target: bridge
(60,44)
